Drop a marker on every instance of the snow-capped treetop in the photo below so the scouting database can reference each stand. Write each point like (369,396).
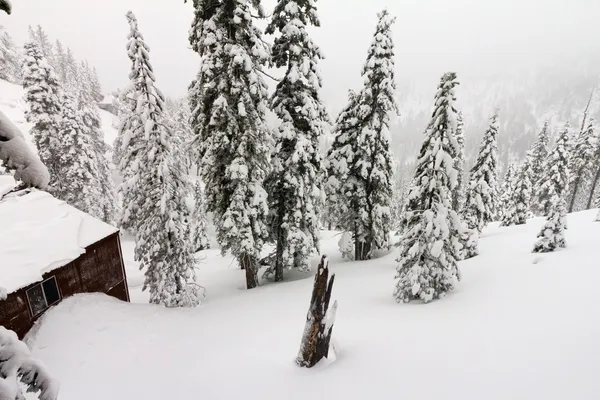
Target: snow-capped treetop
(555,179)
(378,95)
(540,151)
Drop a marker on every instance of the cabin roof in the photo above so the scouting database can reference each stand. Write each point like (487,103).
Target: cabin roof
(39,233)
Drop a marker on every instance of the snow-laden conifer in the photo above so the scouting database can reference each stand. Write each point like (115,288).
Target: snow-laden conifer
(427,267)
(583,165)
(555,175)
(296,180)
(10,58)
(156,191)
(552,235)
(20,372)
(360,161)
(458,193)
(198,222)
(539,153)
(517,206)
(228,101)
(480,201)
(505,191)
(80,186)
(42,94)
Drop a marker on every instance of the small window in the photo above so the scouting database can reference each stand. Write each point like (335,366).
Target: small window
(42,296)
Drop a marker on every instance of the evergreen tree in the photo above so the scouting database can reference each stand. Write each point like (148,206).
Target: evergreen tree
(61,63)
(90,114)
(506,190)
(42,94)
(156,191)
(296,180)
(124,110)
(80,180)
(228,102)
(539,153)
(458,193)
(72,80)
(480,202)
(10,59)
(429,248)
(555,176)
(583,161)
(552,235)
(519,198)
(368,167)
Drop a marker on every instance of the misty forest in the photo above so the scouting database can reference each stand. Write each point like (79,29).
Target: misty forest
(356,233)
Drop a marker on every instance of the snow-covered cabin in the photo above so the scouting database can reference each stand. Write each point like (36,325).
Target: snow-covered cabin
(49,251)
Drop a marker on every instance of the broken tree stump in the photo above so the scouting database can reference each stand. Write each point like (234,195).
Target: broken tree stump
(319,320)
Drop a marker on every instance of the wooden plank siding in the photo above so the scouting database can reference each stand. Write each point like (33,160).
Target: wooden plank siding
(99,269)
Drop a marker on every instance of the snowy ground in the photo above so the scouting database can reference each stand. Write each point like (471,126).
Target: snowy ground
(519,326)
(12,103)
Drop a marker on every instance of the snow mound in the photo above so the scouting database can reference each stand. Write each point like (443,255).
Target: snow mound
(511,330)
(39,234)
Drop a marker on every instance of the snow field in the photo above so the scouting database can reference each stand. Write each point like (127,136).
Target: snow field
(518,326)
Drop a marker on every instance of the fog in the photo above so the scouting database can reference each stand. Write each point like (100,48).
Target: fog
(476,38)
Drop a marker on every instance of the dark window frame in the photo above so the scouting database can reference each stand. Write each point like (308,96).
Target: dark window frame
(40,285)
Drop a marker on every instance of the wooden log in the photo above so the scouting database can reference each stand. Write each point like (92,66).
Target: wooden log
(319,320)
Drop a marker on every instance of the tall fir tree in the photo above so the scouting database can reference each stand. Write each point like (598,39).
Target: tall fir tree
(555,176)
(42,94)
(198,221)
(480,201)
(505,191)
(61,63)
(539,153)
(427,267)
(368,168)
(157,191)
(296,181)
(80,180)
(583,161)
(519,197)
(229,104)
(10,58)
(458,193)
(72,82)
(553,192)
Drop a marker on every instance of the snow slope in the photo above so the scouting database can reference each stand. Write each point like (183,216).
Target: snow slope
(12,103)
(519,326)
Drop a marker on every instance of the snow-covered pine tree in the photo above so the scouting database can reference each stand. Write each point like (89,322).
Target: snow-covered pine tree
(295,183)
(10,58)
(427,267)
(90,115)
(124,108)
(72,82)
(552,235)
(583,162)
(360,160)
(228,102)
(198,222)
(61,63)
(539,153)
(480,202)
(156,191)
(21,371)
(518,204)
(506,190)
(555,176)
(42,94)
(78,159)
(459,164)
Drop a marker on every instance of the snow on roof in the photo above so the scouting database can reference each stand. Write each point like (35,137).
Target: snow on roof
(40,233)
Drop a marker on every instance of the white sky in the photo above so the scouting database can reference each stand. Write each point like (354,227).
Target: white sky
(432,36)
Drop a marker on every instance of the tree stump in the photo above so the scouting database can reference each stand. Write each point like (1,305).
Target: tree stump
(319,320)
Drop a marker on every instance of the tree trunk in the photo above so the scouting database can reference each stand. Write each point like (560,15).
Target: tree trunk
(319,320)
(249,264)
(361,250)
(279,258)
(593,189)
(574,194)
